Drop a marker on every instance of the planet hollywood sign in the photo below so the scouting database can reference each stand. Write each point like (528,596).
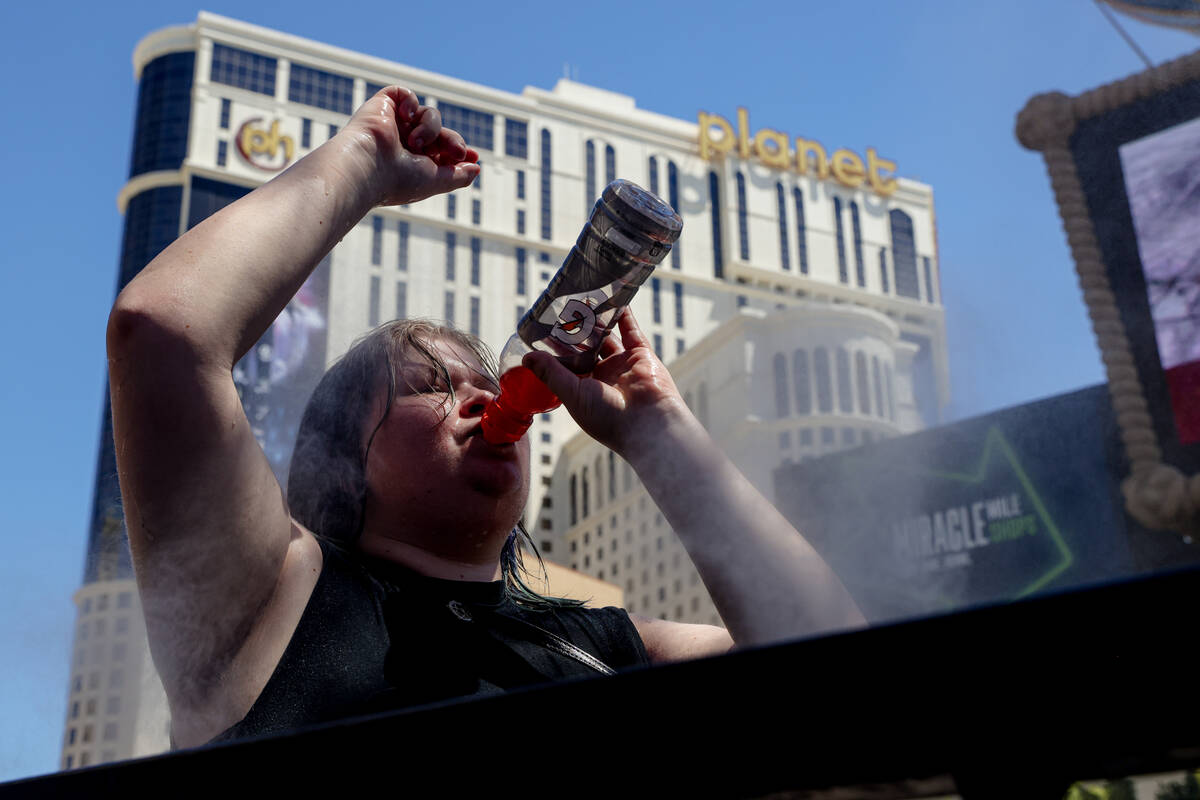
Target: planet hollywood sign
(774,149)
(264,147)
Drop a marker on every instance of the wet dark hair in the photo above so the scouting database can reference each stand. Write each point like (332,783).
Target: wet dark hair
(327,481)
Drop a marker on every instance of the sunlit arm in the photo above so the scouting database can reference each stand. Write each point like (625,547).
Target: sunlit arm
(223,571)
(766,580)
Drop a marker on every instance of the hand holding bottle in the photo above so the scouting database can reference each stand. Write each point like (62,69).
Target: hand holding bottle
(627,399)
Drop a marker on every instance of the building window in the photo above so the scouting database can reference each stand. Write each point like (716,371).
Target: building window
(474,316)
(782,403)
(785,440)
(402,254)
(845,391)
(589,181)
(859,262)
(743,221)
(610,164)
(827,436)
(476,127)
(547,164)
(451,206)
(801,240)
(516,144)
(904,255)
(656,300)
(887,383)
(680,346)
(843,273)
(243,69)
(373,303)
(785,257)
(333,129)
(521,221)
(451,243)
(316,87)
(476,258)
(678,304)
(226,107)
(702,403)
(306,133)
(585,492)
(476,211)
(714,196)
(801,381)
(164,108)
(401,300)
(653,171)
(658,345)
(848,437)
(521,270)
(929,296)
(673,199)
(883,276)
(864,391)
(110,732)
(520,184)
(612,483)
(574,505)
(879,410)
(222,153)
(824,380)
(376,240)
(449,308)
(806,437)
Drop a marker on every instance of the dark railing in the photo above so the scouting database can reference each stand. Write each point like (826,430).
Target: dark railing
(1013,701)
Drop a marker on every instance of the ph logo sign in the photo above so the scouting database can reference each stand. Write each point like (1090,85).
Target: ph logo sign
(264,148)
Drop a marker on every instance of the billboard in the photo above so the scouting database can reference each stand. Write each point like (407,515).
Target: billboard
(1162,180)
(275,379)
(996,508)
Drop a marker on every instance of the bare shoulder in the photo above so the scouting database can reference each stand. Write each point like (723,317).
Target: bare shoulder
(668,641)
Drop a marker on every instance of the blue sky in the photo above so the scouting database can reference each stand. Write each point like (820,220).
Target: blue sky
(934,85)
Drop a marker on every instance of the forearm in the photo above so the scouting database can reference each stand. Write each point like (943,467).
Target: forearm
(221,284)
(765,579)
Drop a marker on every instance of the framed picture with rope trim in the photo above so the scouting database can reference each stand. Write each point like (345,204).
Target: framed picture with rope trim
(1124,163)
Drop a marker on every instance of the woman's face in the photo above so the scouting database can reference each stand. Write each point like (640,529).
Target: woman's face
(429,467)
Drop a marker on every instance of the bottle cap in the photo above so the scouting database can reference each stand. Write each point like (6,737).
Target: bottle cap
(642,210)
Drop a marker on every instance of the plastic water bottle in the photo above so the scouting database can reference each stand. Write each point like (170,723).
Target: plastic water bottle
(628,234)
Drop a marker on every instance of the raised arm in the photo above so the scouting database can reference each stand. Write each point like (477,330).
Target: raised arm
(214,549)
(766,580)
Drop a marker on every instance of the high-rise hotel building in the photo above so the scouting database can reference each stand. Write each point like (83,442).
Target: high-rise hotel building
(800,310)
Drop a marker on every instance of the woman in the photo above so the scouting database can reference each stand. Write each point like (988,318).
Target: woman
(234,584)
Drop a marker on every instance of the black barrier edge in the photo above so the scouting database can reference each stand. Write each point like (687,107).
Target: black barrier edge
(1033,694)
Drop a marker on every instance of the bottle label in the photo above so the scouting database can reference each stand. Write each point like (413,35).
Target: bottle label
(572,326)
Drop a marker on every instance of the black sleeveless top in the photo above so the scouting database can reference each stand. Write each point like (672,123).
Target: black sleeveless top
(377,637)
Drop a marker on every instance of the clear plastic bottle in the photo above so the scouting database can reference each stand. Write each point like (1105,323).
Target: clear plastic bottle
(628,234)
